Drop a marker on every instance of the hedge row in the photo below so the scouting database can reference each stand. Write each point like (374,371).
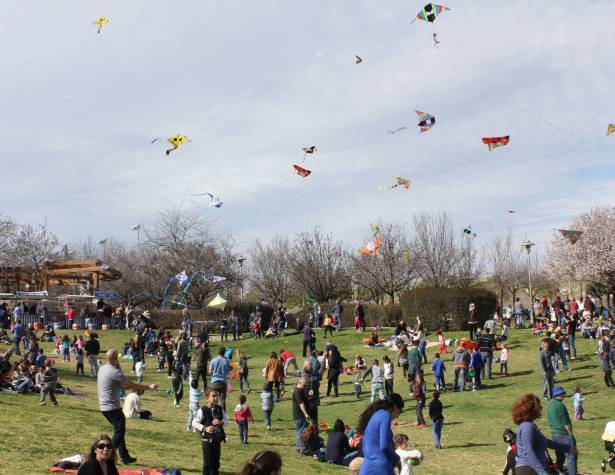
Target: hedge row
(447,308)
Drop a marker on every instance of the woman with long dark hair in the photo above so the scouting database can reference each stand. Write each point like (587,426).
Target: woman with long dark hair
(531,444)
(338,450)
(101,458)
(375,427)
(263,463)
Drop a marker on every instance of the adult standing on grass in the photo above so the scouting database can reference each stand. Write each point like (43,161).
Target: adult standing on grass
(359,314)
(531,444)
(274,373)
(92,349)
(472,320)
(561,429)
(375,427)
(546,371)
(202,356)
(300,410)
(307,336)
(486,342)
(110,380)
(218,369)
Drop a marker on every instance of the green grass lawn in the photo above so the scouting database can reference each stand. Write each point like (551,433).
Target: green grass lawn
(36,437)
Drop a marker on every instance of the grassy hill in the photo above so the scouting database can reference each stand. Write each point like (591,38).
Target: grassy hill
(36,437)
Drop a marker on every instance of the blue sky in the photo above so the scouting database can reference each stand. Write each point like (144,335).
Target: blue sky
(252,82)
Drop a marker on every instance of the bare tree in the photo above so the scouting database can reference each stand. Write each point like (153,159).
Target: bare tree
(392,269)
(270,270)
(503,263)
(318,265)
(33,246)
(469,263)
(434,245)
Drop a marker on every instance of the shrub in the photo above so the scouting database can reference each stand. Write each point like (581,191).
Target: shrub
(447,308)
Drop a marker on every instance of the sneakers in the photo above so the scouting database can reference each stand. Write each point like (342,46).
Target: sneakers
(42,403)
(128,460)
(268,427)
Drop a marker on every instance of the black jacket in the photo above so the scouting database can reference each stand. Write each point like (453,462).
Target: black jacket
(209,414)
(92,347)
(92,467)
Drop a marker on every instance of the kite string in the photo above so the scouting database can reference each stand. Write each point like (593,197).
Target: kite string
(555,126)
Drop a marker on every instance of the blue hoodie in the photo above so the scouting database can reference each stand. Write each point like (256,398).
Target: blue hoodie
(438,367)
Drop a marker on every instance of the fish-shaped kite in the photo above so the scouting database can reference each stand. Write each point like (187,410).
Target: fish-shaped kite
(399,181)
(358,59)
(430,12)
(495,142)
(426,121)
(611,129)
(301,171)
(175,142)
(571,236)
(100,22)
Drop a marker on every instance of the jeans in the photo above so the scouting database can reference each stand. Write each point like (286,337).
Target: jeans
(440,383)
(547,384)
(379,388)
(220,386)
(608,378)
(573,348)
(487,360)
(267,417)
(49,388)
(437,432)
(420,404)
(301,425)
(236,334)
(118,421)
(223,334)
(504,368)
(571,459)
(520,320)
(211,457)
(422,346)
(193,408)
(243,378)
(388,386)
(459,373)
(243,431)
(24,385)
(17,350)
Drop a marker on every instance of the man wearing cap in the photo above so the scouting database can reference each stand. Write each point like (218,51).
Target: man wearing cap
(561,429)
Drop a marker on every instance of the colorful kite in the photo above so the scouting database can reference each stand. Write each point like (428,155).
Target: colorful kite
(426,121)
(371,248)
(358,59)
(468,232)
(399,181)
(175,142)
(181,279)
(430,12)
(218,302)
(100,22)
(610,129)
(375,230)
(396,131)
(571,236)
(495,142)
(301,171)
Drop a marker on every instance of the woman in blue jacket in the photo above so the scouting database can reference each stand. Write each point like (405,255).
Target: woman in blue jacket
(375,426)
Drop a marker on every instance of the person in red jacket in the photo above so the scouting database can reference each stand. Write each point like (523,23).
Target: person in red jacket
(243,416)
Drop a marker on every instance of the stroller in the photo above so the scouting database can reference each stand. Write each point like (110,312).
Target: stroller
(609,441)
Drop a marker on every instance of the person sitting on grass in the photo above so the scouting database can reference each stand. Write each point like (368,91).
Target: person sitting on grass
(263,463)
(132,406)
(101,459)
(311,443)
(338,449)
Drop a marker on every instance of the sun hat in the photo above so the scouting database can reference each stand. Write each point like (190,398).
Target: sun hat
(557,390)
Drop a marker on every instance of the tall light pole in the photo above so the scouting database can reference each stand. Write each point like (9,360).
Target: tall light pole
(241,260)
(528,248)
(103,244)
(137,228)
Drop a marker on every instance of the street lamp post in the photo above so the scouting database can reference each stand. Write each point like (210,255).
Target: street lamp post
(241,260)
(137,228)
(528,248)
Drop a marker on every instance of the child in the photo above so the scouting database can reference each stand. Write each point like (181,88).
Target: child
(79,359)
(243,416)
(65,348)
(504,335)
(195,397)
(408,458)
(504,360)
(577,399)
(437,366)
(140,369)
(419,395)
(267,404)
(49,383)
(511,455)
(437,418)
(161,357)
(358,387)
(40,359)
(476,363)
(178,387)
(58,348)
(389,371)
(441,343)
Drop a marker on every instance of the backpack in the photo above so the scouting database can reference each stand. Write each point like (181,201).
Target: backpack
(171,471)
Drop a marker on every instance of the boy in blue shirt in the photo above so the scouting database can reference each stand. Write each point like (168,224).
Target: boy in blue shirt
(40,359)
(438,372)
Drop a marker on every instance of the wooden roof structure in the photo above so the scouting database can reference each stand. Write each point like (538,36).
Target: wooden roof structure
(78,271)
(61,272)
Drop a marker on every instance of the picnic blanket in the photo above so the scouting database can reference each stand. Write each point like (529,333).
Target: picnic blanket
(122,471)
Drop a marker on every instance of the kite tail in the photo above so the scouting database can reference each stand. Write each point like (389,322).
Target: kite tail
(168,152)
(99,29)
